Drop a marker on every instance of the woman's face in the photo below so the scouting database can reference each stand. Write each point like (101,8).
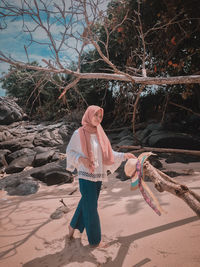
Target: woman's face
(97,118)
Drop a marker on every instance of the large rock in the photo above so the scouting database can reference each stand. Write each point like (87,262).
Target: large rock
(41,149)
(18,164)
(142,134)
(114,138)
(192,124)
(19,187)
(18,143)
(65,132)
(57,177)
(23,188)
(173,140)
(154,126)
(48,138)
(43,158)
(173,158)
(10,112)
(22,152)
(3,154)
(4,134)
(53,173)
(126,142)
(25,182)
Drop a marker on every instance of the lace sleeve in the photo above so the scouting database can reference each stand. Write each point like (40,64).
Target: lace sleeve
(118,158)
(73,152)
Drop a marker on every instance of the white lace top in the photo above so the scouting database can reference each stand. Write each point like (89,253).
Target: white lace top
(74,151)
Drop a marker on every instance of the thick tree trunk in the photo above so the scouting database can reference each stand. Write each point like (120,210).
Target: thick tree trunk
(163,182)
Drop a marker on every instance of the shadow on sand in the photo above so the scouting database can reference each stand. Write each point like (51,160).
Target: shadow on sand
(74,251)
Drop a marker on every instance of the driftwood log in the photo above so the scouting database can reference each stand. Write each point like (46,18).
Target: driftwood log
(163,183)
(140,149)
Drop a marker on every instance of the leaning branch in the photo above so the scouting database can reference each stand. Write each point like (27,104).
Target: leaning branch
(112,76)
(179,190)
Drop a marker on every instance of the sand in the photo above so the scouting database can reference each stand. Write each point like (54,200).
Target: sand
(136,236)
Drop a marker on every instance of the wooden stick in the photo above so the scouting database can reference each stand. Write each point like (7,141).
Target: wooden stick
(62,201)
(163,150)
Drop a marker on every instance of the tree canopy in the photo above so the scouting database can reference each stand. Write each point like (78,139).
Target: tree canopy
(134,42)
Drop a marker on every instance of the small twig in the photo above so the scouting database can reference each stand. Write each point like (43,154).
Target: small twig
(165,108)
(62,201)
(71,193)
(182,107)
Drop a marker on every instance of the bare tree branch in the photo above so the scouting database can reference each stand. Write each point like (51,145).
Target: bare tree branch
(106,76)
(72,84)
(77,19)
(180,106)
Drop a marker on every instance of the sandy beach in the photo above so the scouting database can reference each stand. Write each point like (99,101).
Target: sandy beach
(136,236)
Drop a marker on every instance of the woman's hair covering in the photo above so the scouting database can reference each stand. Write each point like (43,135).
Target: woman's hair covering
(87,129)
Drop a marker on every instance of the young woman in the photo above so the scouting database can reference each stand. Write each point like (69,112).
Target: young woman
(90,152)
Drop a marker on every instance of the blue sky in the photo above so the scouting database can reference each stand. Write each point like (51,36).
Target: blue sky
(12,40)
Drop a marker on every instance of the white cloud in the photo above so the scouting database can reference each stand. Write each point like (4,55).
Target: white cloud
(38,58)
(3,67)
(12,40)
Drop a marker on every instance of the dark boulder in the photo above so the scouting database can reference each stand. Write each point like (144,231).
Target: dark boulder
(47,138)
(57,177)
(18,143)
(18,164)
(41,149)
(192,124)
(43,158)
(5,134)
(3,154)
(10,112)
(53,173)
(22,152)
(23,188)
(173,158)
(142,134)
(154,126)
(19,186)
(65,132)
(173,140)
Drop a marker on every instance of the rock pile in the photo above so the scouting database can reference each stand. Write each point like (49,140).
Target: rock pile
(32,152)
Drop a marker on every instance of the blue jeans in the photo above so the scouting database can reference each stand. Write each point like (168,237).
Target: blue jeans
(86,214)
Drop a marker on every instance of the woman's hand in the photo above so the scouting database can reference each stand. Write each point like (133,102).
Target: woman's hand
(86,162)
(129,156)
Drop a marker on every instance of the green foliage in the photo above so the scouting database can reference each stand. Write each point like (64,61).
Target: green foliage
(172,35)
(38,93)
(34,92)
(170,30)
(95,92)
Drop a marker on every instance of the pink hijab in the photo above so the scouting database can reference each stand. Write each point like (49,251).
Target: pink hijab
(86,130)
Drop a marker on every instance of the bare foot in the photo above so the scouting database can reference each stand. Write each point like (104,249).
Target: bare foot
(71,232)
(100,245)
